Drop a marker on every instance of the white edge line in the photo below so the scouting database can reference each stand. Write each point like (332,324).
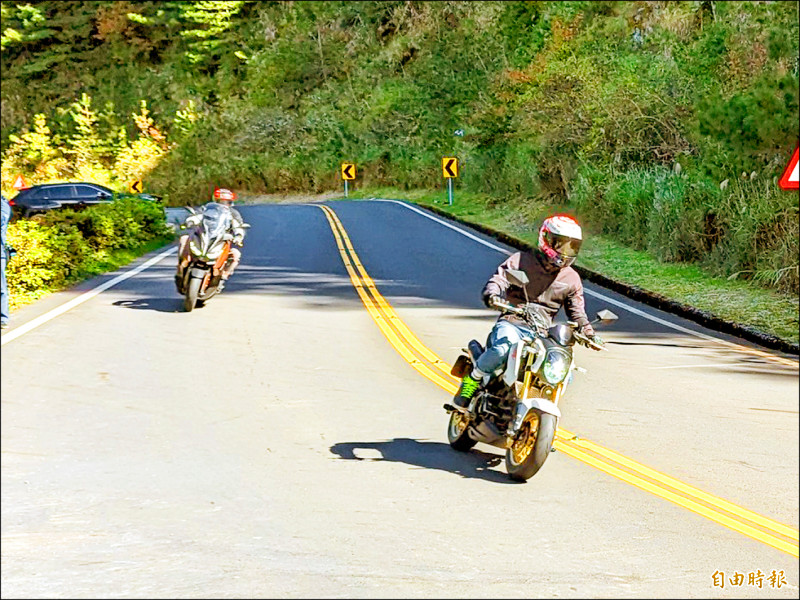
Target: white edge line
(23,329)
(622,305)
(451,226)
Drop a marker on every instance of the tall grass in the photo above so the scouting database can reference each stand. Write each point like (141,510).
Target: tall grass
(746,229)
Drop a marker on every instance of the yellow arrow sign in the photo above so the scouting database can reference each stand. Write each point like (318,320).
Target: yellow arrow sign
(136,186)
(348,171)
(450,167)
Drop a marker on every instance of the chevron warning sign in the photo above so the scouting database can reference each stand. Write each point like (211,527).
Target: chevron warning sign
(449,167)
(789,181)
(348,171)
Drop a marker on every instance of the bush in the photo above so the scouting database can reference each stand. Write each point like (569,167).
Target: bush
(34,267)
(58,248)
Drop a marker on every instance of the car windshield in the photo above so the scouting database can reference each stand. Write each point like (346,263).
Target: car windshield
(216,219)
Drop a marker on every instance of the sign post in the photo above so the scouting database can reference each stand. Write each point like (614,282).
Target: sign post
(450,172)
(348,174)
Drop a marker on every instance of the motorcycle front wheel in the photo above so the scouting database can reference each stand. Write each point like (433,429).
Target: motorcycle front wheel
(531,445)
(192,291)
(457,432)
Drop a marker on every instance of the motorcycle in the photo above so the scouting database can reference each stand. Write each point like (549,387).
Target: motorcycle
(210,248)
(516,407)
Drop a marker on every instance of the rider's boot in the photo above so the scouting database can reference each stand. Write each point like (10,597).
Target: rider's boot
(179,279)
(180,272)
(224,276)
(469,385)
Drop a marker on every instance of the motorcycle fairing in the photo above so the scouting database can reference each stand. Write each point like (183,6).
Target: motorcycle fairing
(524,406)
(515,357)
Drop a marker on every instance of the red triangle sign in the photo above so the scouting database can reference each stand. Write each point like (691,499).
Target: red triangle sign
(790,177)
(19,183)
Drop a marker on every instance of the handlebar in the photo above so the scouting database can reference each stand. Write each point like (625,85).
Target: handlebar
(532,318)
(582,339)
(588,343)
(509,307)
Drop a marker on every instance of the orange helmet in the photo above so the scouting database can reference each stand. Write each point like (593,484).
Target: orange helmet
(224,196)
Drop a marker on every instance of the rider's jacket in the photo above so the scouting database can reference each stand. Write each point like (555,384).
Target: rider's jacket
(237,226)
(549,288)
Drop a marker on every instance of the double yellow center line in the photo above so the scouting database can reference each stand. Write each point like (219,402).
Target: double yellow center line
(429,365)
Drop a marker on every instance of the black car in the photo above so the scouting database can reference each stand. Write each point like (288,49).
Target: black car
(47,196)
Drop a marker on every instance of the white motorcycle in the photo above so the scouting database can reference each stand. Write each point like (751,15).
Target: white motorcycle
(516,408)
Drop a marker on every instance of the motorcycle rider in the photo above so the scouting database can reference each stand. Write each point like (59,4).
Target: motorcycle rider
(224,198)
(552,282)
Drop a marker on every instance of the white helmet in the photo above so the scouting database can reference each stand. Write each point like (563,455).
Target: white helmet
(560,240)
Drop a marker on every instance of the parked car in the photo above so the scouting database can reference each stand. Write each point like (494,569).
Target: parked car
(48,196)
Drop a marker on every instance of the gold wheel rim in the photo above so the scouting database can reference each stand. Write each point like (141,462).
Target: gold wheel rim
(525,439)
(458,424)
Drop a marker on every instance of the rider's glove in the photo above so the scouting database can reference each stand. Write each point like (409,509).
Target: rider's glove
(192,221)
(493,300)
(238,241)
(597,340)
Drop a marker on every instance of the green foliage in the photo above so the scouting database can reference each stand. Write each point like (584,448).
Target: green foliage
(589,105)
(97,147)
(85,145)
(214,19)
(60,247)
(751,126)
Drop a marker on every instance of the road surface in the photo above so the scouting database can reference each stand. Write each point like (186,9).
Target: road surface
(277,442)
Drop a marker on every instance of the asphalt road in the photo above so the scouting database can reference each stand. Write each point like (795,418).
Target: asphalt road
(274,443)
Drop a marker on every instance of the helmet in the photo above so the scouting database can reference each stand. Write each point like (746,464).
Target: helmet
(224,196)
(559,240)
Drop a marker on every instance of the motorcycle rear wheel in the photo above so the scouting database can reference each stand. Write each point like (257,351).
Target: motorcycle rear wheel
(192,291)
(531,445)
(457,432)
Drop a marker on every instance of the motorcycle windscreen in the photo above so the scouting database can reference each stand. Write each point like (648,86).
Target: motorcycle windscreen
(216,220)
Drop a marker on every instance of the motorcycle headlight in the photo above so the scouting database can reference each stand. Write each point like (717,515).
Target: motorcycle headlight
(195,248)
(556,365)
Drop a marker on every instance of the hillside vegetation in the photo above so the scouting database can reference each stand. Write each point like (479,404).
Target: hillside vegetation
(662,124)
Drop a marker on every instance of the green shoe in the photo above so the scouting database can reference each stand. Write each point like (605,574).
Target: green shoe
(468,388)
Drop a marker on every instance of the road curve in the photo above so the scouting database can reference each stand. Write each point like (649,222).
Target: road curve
(276,443)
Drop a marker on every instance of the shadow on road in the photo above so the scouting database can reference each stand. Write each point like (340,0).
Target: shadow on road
(429,455)
(169,305)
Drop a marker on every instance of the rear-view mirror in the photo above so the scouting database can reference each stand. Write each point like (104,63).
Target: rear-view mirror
(606,316)
(517,277)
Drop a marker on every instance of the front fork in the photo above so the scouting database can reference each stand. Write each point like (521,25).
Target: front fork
(527,387)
